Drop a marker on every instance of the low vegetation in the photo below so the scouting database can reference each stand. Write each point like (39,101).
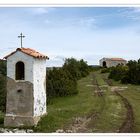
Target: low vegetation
(2,86)
(63,81)
(130,77)
(126,74)
(132,93)
(2,67)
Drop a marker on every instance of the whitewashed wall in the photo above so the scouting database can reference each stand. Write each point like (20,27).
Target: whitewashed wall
(28,63)
(39,87)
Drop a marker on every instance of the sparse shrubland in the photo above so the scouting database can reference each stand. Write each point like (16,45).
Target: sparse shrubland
(60,83)
(63,81)
(77,69)
(118,73)
(126,74)
(105,70)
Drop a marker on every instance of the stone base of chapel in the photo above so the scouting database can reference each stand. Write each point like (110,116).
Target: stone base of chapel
(20,121)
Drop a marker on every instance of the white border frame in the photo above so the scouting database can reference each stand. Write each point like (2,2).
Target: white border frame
(71,3)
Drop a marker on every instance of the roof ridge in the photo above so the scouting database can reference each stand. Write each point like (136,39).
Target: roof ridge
(30,52)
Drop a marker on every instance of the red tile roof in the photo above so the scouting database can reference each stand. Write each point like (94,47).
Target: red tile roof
(30,52)
(117,59)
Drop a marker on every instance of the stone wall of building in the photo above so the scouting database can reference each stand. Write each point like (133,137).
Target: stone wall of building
(110,63)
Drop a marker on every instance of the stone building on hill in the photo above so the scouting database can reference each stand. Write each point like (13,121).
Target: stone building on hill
(110,62)
(26,87)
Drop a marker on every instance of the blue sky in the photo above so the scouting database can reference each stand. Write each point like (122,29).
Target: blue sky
(80,32)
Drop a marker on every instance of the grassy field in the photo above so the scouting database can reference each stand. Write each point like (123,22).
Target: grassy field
(64,110)
(114,111)
(132,93)
(99,78)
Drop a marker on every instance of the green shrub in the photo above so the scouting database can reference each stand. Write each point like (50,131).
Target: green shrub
(105,70)
(59,83)
(3,67)
(118,72)
(77,69)
(63,81)
(127,74)
(2,93)
(2,85)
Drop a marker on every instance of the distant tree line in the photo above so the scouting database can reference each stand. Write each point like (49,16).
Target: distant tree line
(126,74)
(63,81)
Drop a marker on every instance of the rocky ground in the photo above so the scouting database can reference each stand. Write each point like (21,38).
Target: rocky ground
(16,130)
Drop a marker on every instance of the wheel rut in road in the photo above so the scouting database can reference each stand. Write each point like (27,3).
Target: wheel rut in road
(82,124)
(127,125)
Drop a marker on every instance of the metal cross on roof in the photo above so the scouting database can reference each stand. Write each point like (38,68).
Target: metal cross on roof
(21,36)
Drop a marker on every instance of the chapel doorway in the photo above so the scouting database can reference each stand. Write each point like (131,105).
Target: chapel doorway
(104,64)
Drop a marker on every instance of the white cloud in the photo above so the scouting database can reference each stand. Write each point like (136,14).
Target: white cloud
(79,22)
(132,13)
(88,22)
(136,9)
(41,10)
